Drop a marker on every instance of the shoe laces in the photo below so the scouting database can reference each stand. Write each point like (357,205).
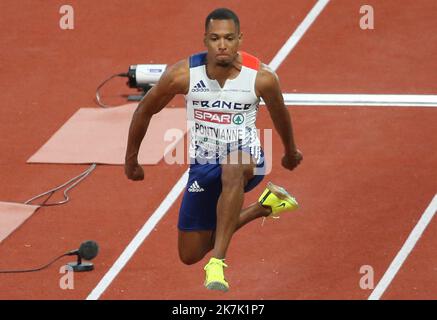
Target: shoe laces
(216,261)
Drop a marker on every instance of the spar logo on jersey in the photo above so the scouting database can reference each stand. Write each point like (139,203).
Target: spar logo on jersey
(238,118)
(215,117)
(200,87)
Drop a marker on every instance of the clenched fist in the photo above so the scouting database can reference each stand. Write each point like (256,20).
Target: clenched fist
(291,161)
(134,171)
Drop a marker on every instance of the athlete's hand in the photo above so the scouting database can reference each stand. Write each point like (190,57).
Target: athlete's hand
(134,171)
(291,161)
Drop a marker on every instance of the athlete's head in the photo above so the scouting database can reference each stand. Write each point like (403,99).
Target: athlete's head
(222,36)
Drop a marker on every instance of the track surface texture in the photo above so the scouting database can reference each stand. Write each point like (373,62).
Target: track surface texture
(368,173)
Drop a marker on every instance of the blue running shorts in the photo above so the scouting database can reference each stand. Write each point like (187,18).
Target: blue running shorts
(199,204)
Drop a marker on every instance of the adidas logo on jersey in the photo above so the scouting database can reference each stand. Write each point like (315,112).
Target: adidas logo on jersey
(195,187)
(200,87)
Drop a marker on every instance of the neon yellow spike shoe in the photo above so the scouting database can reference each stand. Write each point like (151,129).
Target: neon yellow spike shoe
(215,278)
(278,199)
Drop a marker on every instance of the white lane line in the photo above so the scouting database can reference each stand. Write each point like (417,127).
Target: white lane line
(139,238)
(298,34)
(176,191)
(405,250)
(380,100)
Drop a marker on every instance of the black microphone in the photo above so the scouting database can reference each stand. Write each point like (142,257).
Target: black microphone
(88,250)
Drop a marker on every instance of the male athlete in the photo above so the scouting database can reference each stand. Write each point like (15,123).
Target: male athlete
(222,88)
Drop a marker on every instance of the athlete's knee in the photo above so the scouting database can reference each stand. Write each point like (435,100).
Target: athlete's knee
(193,246)
(189,258)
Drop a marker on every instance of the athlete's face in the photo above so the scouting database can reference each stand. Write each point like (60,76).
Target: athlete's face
(222,39)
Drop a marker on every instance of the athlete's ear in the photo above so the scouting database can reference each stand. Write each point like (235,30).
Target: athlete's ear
(240,37)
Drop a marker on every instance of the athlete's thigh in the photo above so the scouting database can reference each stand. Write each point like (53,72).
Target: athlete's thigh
(199,203)
(239,162)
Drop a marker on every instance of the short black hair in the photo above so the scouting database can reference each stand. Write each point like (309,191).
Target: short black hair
(223,14)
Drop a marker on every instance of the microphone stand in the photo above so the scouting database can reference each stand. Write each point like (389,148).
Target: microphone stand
(79,266)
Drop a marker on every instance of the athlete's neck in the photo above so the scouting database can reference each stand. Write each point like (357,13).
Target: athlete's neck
(221,73)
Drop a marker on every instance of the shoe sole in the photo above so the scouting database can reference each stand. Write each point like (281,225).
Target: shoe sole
(282,194)
(217,286)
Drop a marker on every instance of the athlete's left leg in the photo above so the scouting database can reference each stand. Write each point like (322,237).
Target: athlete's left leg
(252,212)
(234,178)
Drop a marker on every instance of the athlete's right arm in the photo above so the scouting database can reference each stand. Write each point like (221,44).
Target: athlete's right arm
(175,80)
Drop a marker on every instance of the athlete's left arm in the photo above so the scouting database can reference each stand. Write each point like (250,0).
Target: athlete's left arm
(268,88)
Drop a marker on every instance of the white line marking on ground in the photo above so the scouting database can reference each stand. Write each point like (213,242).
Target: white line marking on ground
(139,238)
(177,189)
(298,34)
(405,250)
(380,100)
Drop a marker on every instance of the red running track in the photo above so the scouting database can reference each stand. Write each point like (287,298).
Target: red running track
(366,171)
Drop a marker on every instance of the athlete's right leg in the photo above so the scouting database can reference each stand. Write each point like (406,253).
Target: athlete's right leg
(197,213)
(194,245)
